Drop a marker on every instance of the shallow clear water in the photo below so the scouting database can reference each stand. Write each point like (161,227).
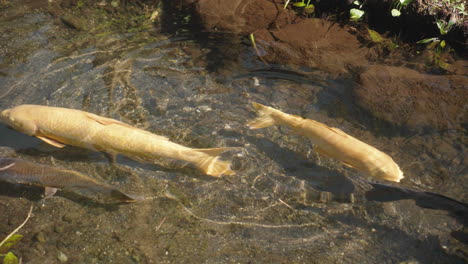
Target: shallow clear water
(286,204)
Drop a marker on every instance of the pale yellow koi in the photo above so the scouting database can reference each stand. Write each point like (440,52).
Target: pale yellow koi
(333,143)
(63,126)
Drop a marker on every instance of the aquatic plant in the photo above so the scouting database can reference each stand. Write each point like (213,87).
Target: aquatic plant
(398,5)
(356,14)
(254,44)
(437,44)
(11,240)
(308,8)
(377,38)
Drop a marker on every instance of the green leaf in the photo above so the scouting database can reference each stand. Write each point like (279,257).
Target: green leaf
(424,41)
(356,14)
(310,9)
(405,2)
(444,65)
(10,243)
(356,3)
(375,37)
(299,4)
(442,44)
(392,45)
(444,27)
(395,12)
(10,258)
(440,25)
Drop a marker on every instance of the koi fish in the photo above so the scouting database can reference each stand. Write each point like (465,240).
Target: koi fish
(332,142)
(63,126)
(20,171)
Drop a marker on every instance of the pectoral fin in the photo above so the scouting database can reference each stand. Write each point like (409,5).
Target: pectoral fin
(8,166)
(329,155)
(51,142)
(49,191)
(322,152)
(348,165)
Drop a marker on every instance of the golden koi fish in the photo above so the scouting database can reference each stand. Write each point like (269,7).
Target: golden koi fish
(25,172)
(333,143)
(62,126)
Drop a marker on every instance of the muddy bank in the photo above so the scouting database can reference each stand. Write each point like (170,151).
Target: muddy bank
(397,85)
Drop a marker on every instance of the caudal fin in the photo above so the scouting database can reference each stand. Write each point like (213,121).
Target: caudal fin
(212,166)
(264,118)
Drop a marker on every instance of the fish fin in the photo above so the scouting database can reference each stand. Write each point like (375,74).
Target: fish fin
(212,166)
(51,142)
(105,120)
(339,131)
(125,197)
(264,118)
(50,191)
(217,151)
(157,136)
(111,157)
(8,166)
(322,152)
(109,121)
(349,165)
(328,155)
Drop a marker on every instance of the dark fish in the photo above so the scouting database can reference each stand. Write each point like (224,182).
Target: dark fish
(20,171)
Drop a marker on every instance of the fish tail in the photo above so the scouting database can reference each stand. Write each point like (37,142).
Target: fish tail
(211,165)
(264,119)
(125,197)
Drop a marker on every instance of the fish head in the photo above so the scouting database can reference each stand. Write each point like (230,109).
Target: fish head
(4,115)
(19,119)
(389,172)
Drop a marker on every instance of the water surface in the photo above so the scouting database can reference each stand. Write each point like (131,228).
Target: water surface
(286,204)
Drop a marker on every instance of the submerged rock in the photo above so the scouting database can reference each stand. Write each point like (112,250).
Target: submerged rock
(406,97)
(240,16)
(314,43)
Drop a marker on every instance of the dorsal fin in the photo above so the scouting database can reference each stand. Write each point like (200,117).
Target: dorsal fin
(105,120)
(217,151)
(339,131)
(109,121)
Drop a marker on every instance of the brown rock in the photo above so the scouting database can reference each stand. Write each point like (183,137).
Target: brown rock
(406,97)
(314,43)
(241,16)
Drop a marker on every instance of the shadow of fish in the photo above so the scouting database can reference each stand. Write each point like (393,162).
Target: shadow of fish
(20,171)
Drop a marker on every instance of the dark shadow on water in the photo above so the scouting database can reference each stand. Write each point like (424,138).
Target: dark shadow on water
(338,101)
(16,140)
(391,239)
(428,200)
(386,193)
(281,72)
(32,193)
(36,194)
(297,166)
